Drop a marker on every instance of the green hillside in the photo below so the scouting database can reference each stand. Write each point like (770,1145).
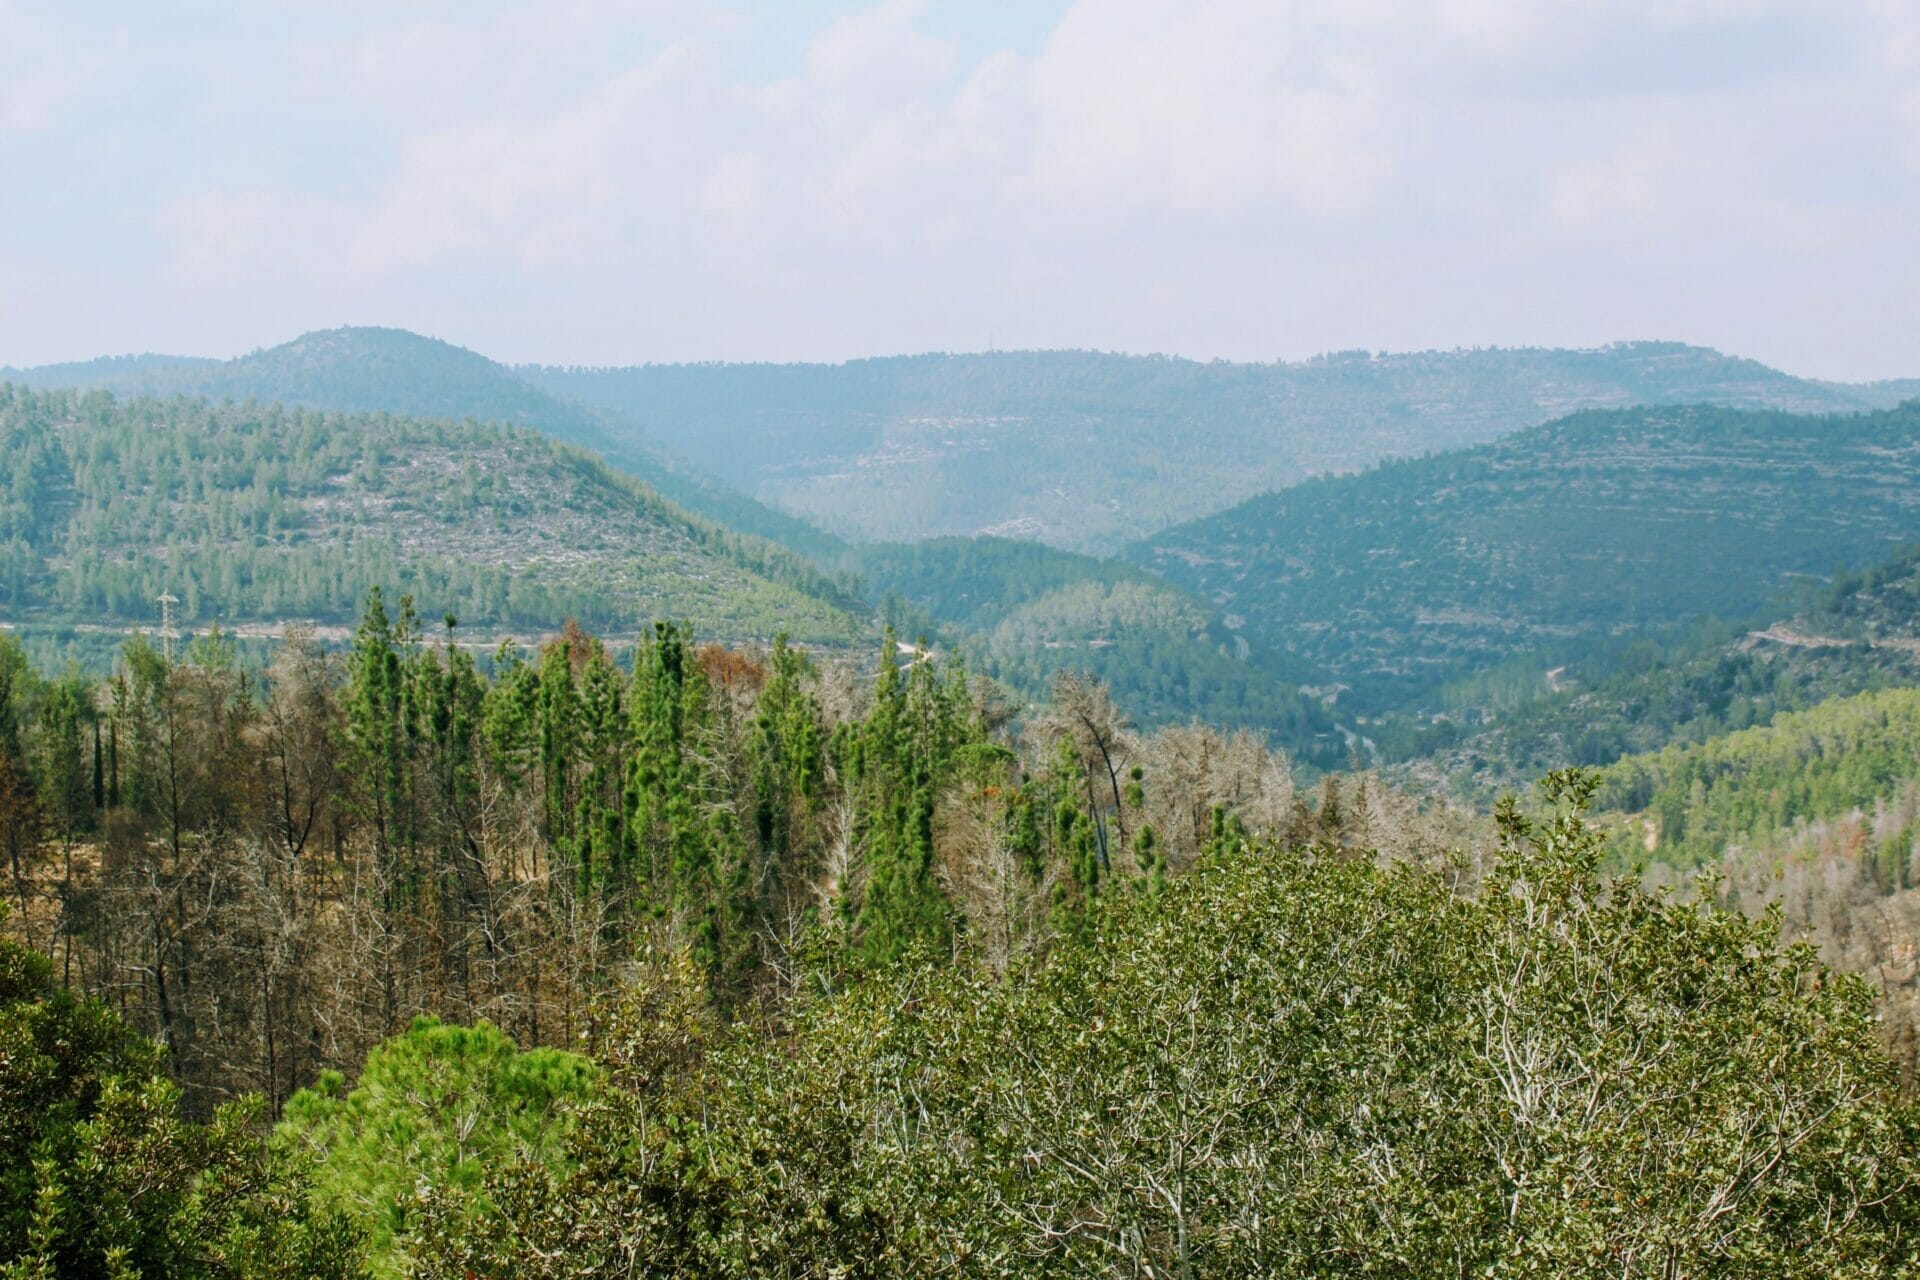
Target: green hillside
(1087,450)
(1604,524)
(252,513)
(1856,634)
(1029,611)
(1701,798)
(1815,817)
(374,370)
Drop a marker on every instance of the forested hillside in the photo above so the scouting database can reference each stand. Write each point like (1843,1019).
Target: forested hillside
(1816,814)
(371,370)
(1087,450)
(1858,632)
(1604,524)
(1701,799)
(1026,611)
(251,513)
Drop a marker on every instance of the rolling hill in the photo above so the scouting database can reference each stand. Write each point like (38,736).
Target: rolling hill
(374,370)
(1603,524)
(1085,450)
(1026,611)
(262,514)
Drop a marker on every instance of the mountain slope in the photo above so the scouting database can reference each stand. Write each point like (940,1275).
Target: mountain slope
(374,370)
(1027,612)
(1816,815)
(1700,798)
(1602,524)
(263,513)
(1084,450)
(1858,634)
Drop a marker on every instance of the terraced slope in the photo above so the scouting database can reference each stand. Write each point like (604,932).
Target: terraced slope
(1857,634)
(1087,450)
(1602,524)
(262,513)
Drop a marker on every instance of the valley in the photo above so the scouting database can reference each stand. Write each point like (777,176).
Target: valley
(481,685)
(912,640)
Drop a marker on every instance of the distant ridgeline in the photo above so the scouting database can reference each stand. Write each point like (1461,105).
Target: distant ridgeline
(1446,584)
(1088,450)
(1604,524)
(250,512)
(1077,449)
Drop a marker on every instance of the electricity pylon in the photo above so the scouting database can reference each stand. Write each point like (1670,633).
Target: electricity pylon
(168,633)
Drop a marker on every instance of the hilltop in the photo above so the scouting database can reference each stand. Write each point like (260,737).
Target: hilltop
(380,370)
(1086,450)
(1601,525)
(268,513)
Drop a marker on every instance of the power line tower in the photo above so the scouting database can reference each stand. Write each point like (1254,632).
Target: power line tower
(168,632)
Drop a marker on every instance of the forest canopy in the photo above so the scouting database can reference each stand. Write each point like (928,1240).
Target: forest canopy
(749,965)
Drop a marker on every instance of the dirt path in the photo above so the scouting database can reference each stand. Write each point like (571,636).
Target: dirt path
(1783,635)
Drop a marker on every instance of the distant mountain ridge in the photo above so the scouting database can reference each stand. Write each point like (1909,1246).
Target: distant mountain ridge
(1088,450)
(1082,450)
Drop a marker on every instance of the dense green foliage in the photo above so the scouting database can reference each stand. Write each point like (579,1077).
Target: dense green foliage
(266,513)
(368,370)
(1087,450)
(1857,633)
(877,986)
(1604,524)
(276,870)
(1806,765)
(1027,612)
(100,1177)
(438,1103)
(1282,1064)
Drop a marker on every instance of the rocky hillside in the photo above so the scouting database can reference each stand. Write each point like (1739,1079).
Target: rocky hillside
(1086,450)
(1601,525)
(252,513)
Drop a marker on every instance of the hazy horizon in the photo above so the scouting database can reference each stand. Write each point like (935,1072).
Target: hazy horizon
(1307,358)
(659,181)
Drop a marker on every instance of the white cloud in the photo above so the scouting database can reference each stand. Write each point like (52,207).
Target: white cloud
(1205,107)
(547,189)
(879,54)
(1628,189)
(1237,177)
(253,234)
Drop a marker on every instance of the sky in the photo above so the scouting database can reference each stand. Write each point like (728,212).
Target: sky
(620,181)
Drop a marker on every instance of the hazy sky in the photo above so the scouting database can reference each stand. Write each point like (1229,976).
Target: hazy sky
(651,180)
